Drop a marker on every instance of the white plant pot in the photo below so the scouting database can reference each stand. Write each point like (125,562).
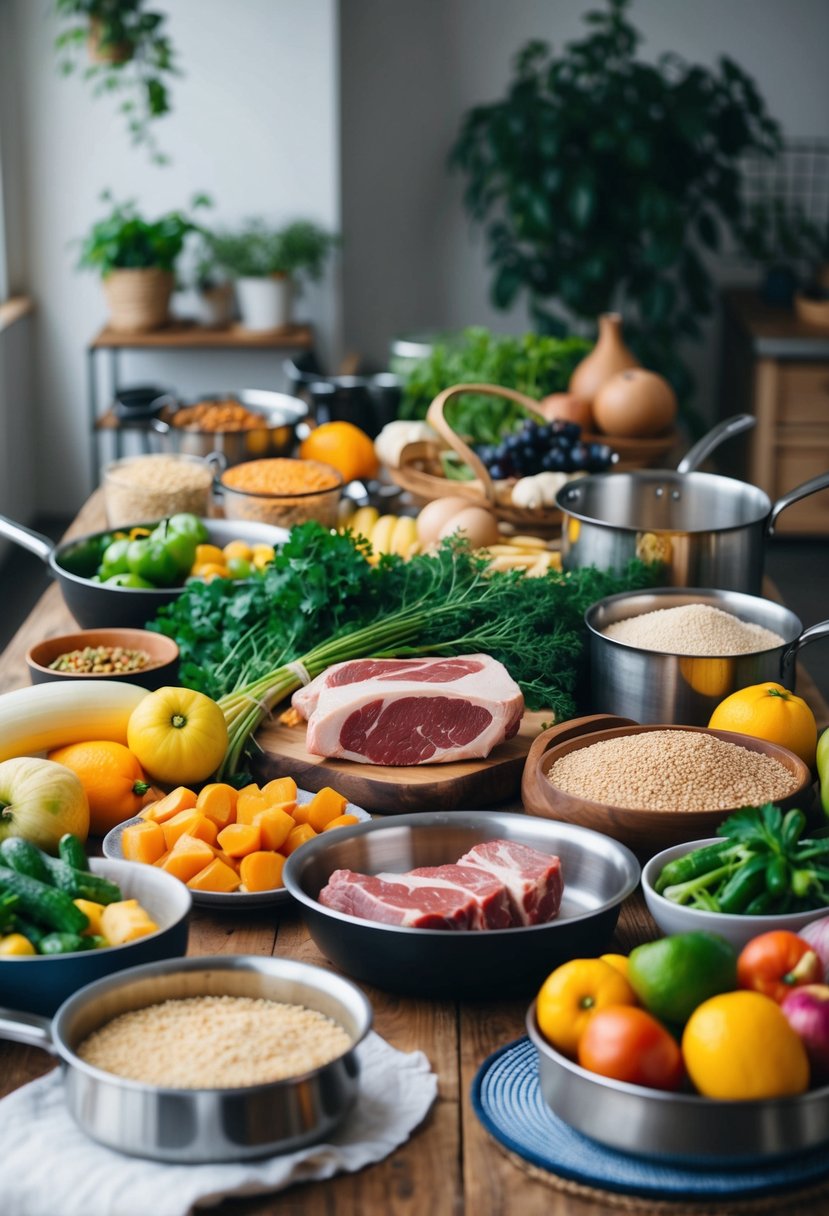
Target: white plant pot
(264,303)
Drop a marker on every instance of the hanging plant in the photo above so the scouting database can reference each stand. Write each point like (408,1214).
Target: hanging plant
(120,47)
(600,179)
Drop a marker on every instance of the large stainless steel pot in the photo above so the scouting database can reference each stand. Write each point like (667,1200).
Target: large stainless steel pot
(196,1125)
(281,414)
(708,530)
(650,686)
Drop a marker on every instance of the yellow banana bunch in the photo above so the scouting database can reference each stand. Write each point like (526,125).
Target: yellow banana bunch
(386,533)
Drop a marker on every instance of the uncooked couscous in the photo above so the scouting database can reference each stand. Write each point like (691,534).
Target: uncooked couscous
(693,629)
(672,770)
(146,488)
(282,491)
(237,1041)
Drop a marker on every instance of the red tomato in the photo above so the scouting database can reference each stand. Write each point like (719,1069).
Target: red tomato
(776,962)
(624,1042)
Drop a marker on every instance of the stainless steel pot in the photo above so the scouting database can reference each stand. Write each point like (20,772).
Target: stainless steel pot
(684,690)
(708,530)
(197,1125)
(280,412)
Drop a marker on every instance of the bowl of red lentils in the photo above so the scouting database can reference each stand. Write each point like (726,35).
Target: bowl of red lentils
(282,491)
(136,656)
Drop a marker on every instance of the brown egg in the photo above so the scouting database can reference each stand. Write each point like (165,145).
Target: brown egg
(635,404)
(435,514)
(479,526)
(568,406)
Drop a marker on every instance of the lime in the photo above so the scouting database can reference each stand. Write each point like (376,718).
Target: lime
(674,975)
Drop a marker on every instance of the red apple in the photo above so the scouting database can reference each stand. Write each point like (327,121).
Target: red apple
(807,1012)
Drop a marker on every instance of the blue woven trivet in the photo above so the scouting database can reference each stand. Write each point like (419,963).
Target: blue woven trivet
(507,1099)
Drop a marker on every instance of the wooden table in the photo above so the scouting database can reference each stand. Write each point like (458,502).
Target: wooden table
(450,1166)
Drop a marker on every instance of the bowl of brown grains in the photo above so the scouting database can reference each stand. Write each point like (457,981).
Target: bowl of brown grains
(134,655)
(658,785)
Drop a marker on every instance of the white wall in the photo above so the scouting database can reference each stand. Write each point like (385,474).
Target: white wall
(449,56)
(254,125)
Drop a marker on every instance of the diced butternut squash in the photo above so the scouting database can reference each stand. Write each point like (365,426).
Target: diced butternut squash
(326,804)
(342,821)
(204,829)
(282,789)
(143,842)
(178,800)
(183,822)
(239,839)
(92,912)
(302,833)
(231,862)
(218,803)
(275,826)
(249,804)
(301,812)
(216,876)
(187,857)
(261,871)
(125,921)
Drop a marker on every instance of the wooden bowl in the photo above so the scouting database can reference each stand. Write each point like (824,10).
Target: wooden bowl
(161,670)
(643,831)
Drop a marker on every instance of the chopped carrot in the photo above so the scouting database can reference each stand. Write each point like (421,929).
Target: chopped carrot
(216,876)
(325,805)
(342,821)
(187,857)
(281,789)
(179,799)
(301,834)
(261,871)
(250,803)
(275,826)
(237,839)
(301,812)
(218,802)
(184,821)
(143,842)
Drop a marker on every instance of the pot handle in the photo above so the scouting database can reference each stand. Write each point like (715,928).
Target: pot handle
(813,634)
(717,435)
(27,1028)
(35,542)
(821,482)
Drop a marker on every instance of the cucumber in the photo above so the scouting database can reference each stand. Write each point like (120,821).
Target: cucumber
(72,852)
(80,884)
(24,857)
(44,904)
(29,929)
(63,943)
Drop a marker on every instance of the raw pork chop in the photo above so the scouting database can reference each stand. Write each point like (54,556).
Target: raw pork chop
(492,907)
(391,901)
(411,711)
(533,879)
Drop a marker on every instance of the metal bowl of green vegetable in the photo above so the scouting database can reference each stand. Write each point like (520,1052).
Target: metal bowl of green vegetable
(764,874)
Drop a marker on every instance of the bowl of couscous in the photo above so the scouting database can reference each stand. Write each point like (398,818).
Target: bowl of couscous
(658,785)
(282,491)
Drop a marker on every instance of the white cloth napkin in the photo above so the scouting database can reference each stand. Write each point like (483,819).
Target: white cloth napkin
(48,1167)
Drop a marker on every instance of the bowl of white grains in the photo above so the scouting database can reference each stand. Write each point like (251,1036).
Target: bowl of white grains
(655,785)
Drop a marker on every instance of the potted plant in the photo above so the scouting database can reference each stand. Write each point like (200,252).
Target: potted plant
(779,236)
(136,259)
(601,177)
(267,263)
(121,47)
(212,287)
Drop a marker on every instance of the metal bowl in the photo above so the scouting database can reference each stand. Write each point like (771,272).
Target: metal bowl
(737,929)
(652,686)
(42,982)
(276,436)
(680,1126)
(598,875)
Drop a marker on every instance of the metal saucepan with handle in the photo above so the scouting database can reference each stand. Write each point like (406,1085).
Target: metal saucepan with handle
(655,686)
(198,1125)
(281,416)
(96,605)
(708,530)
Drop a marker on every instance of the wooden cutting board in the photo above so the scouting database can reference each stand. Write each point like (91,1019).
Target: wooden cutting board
(469,785)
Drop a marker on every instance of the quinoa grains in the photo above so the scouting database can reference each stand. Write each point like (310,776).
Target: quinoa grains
(671,770)
(147,488)
(242,1041)
(693,629)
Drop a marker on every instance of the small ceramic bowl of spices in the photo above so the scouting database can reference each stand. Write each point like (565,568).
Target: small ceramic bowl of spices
(659,785)
(136,656)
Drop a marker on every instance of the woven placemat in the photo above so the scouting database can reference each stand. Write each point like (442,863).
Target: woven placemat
(507,1099)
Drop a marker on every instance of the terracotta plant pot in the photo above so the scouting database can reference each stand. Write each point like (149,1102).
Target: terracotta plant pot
(608,356)
(138,299)
(113,52)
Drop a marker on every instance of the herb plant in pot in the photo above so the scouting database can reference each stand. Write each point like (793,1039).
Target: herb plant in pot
(212,288)
(267,263)
(136,259)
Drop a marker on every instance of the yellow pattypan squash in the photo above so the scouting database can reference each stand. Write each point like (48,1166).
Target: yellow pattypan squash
(769,711)
(179,736)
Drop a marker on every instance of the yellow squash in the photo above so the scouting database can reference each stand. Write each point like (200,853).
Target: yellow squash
(769,711)
(178,736)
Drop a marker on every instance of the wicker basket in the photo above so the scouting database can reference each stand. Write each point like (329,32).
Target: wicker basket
(138,299)
(420,471)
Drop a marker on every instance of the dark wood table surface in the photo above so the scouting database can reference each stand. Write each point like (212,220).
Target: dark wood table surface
(450,1166)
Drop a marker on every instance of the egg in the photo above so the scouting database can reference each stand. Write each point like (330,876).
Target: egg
(435,514)
(477,524)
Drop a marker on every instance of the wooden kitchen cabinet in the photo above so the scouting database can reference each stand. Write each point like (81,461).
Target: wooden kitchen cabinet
(777,367)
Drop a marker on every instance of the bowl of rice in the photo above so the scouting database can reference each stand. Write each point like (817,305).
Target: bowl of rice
(672,654)
(652,786)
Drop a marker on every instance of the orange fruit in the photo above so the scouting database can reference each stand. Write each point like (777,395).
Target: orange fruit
(572,993)
(345,447)
(627,1044)
(112,778)
(769,711)
(739,1046)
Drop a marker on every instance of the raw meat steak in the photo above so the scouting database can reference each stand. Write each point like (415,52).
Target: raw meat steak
(533,879)
(391,901)
(411,711)
(492,908)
